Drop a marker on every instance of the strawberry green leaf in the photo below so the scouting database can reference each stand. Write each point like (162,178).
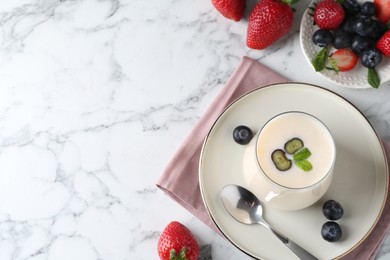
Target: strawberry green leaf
(172,254)
(290,2)
(373,78)
(320,59)
(182,253)
(180,256)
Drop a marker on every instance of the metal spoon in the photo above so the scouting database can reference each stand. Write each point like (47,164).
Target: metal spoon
(246,208)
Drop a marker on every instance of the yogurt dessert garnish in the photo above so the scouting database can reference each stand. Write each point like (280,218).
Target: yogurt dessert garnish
(295,150)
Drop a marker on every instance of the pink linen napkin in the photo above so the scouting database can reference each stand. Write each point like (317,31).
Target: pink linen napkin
(180,178)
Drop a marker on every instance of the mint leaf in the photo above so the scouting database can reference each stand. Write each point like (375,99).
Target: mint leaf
(302,155)
(320,59)
(333,65)
(373,78)
(300,159)
(304,165)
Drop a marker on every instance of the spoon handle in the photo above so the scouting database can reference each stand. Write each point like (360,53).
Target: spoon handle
(298,250)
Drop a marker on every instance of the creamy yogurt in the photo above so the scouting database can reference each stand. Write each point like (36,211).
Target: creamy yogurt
(315,137)
(294,188)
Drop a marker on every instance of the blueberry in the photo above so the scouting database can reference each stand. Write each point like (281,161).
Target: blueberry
(363,25)
(359,44)
(242,134)
(332,210)
(331,231)
(322,37)
(377,30)
(341,39)
(371,58)
(368,8)
(348,24)
(351,6)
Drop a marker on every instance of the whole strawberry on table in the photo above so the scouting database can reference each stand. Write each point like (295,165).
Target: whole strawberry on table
(268,22)
(358,31)
(231,9)
(177,243)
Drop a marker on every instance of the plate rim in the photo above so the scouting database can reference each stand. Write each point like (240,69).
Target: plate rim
(320,88)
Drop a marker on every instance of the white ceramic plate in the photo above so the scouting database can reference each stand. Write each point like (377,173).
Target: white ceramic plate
(356,78)
(360,178)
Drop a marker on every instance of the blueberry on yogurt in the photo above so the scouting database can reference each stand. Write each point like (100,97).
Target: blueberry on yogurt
(293,145)
(282,163)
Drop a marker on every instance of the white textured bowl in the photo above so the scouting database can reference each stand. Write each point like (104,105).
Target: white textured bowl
(356,78)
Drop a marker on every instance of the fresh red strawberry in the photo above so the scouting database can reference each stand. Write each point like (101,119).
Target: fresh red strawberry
(231,9)
(344,59)
(328,14)
(177,243)
(268,22)
(383,44)
(382,10)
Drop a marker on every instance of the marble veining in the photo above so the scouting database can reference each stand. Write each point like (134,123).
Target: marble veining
(95,97)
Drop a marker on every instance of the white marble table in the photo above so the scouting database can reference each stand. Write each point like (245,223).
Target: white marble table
(95,97)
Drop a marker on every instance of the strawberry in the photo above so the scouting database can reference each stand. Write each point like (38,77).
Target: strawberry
(231,9)
(328,14)
(343,60)
(383,44)
(269,21)
(382,10)
(177,243)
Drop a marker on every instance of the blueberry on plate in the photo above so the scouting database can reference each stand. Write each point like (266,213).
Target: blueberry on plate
(368,8)
(332,210)
(351,6)
(331,231)
(371,58)
(348,24)
(377,30)
(242,134)
(360,44)
(363,25)
(341,39)
(322,37)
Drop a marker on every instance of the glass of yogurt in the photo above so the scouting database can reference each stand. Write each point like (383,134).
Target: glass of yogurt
(289,163)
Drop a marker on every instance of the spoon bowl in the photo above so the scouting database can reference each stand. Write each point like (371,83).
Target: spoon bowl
(242,204)
(246,208)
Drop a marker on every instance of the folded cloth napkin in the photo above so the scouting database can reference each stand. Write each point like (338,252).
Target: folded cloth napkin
(180,178)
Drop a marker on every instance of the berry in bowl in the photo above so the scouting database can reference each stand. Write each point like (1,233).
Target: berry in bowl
(348,42)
